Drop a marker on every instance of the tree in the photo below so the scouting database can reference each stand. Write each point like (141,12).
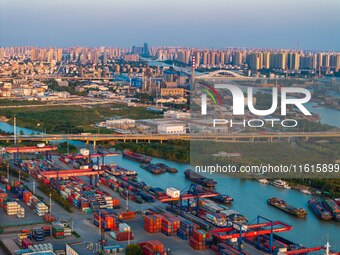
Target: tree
(133,249)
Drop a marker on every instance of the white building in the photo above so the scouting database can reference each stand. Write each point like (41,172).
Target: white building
(171,129)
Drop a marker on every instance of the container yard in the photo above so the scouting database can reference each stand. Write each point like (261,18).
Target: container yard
(193,220)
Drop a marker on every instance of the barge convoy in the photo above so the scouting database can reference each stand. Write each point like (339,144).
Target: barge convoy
(319,210)
(199,179)
(158,168)
(115,170)
(136,157)
(332,207)
(282,205)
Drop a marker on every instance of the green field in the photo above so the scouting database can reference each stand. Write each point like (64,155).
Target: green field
(73,119)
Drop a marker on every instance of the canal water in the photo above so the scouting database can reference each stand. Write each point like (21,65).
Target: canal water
(327,115)
(250,196)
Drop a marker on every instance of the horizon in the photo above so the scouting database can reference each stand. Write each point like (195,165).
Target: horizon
(176,47)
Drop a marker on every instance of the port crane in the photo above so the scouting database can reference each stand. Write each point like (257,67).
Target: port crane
(17,150)
(97,156)
(263,226)
(192,192)
(69,173)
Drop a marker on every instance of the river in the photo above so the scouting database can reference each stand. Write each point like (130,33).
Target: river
(327,115)
(250,196)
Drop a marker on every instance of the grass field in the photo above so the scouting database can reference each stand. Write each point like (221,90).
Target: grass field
(73,119)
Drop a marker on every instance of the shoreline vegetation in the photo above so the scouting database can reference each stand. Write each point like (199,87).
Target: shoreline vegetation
(174,150)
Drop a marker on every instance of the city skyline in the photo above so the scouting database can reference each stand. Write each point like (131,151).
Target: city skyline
(308,25)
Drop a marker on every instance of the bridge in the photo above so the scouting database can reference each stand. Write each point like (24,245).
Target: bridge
(220,137)
(223,74)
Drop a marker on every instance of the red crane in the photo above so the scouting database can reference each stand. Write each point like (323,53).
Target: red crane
(30,149)
(70,173)
(252,230)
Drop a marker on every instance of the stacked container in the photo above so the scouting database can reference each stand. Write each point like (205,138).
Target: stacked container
(199,239)
(122,235)
(58,231)
(170,225)
(11,208)
(3,198)
(153,223)
(38,207)
(67,232)
(129,215)
(106,219)
(21,212)
(38,234)
(152,247)
(49,217)
(86,197)
(186,229)
(47,230)
(24,243)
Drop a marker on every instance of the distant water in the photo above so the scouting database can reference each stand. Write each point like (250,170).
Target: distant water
(26,131)
(327,115)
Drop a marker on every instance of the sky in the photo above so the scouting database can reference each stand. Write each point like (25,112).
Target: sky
(302,24)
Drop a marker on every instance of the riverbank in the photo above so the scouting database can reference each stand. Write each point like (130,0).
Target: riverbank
(175,150)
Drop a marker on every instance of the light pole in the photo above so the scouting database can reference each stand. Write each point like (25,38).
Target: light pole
(8,172)
(127,201)
(15,129)
(50,195)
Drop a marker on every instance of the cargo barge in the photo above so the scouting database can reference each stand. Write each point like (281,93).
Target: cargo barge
(319,210)
(199,179)
(115,170)
(282,205)
(152,168)
(158,168)
(135,156)
(331,206)
(222,199)
(167,168)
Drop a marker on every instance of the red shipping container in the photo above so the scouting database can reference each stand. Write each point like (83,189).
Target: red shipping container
(127,215)
(25,243)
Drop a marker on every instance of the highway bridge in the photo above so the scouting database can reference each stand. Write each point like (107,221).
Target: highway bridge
(227,137)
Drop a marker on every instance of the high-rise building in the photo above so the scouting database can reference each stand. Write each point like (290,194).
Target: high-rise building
(278,60)
(319,60)
(266,60)
(293,60)
(335,62)
(146,49)
(255,60)
(237,58)
(205,58)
